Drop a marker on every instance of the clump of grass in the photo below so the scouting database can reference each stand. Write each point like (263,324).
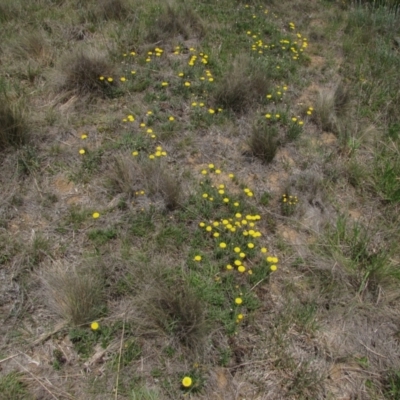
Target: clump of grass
(111,10)
(176,21)
(82,72)
(129,176)
(13,129)
(12,387)
(33,46)
(263,142)
(242,86)
(159,181)
(180,313)
(331,107)
(75,294)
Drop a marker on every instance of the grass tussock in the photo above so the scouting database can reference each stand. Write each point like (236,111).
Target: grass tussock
(13,129)
(263,142)
(242,86)
(331,107)
(180,313)
(75,294)
(33,46)
(128,176)
(174,22)
(107,10)
(81,74)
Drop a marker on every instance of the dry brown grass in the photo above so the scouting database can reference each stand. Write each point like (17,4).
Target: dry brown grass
(331,108)
(128,176)
(74,293)
(242,86)
(179,312)
(263,142)
(176,21)
(81,72)
(33,46)
(13,128)
(117,10)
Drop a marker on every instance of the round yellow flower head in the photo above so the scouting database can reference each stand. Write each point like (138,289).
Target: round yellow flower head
(273,268)
(241,268)
(94,326)
(82,151)
(222,245)
(197,258)
(187,381)
(238,301)
(96,215)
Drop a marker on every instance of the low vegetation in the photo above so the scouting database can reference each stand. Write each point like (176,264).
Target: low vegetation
(199,199)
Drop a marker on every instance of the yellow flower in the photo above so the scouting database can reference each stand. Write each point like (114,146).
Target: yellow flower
(237,262)
(204,172)
(264,250)
(226,200)
(222,245)
(82,151)
(197,258)
(231,176)
(133,72)
(209,229)
(122,79)
(238,300)
(135,153)
(269,96)
(110,79)
(229,267)
(240,316)
(294,119)
(217,171)
(101,78)
(181,74)
(96,215)
(211,111)
(273,268)
(202,224)
(83,136)
(236,204)
(164,84)
(250,245)
(216,234)
(211,166)
(171,118)
(187,382)
(241,268)
(187,84)
(243,255)
(94,326)
(204,195)
(277,116)
(268,116)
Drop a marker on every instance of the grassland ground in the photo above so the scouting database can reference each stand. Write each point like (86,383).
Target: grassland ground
(199,199)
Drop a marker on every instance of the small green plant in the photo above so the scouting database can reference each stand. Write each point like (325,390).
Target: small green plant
(288,204)
(392,385)
(12,387)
